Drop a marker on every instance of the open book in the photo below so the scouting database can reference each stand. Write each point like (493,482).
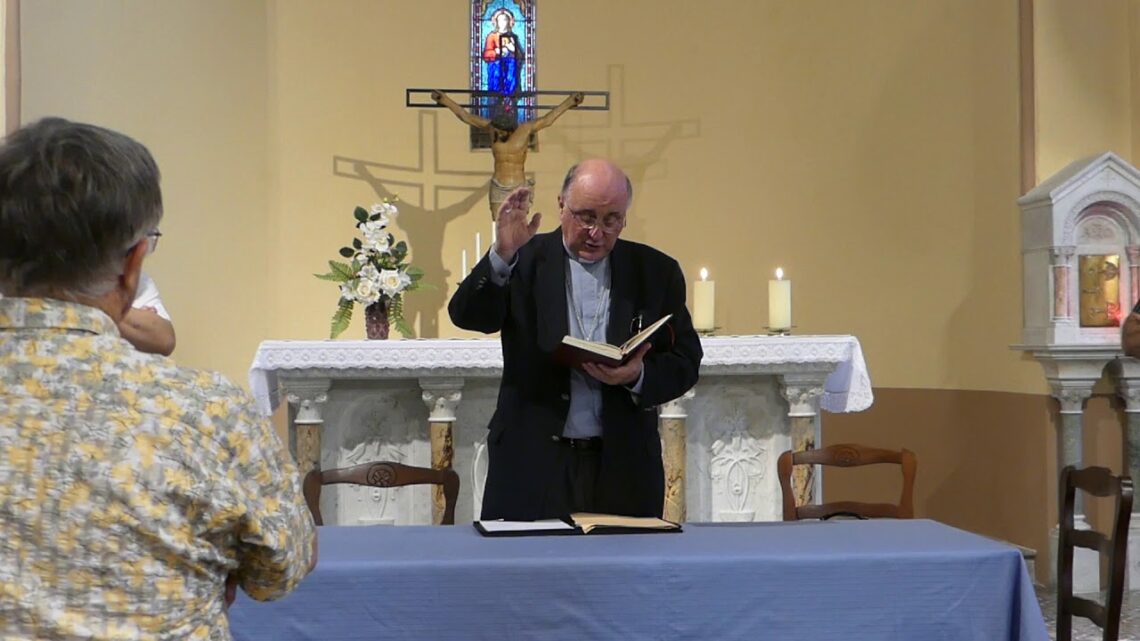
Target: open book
(580,523)
(575,351)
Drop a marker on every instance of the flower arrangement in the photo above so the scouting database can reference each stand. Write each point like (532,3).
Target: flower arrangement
(378,274)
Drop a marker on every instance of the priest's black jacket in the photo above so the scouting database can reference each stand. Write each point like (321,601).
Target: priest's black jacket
(530,312)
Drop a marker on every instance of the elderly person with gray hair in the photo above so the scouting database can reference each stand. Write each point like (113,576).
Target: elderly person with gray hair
(133,493)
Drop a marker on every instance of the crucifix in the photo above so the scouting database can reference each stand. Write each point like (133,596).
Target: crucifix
(510,139)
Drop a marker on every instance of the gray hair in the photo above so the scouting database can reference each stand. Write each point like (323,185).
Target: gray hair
(573,173)
(74,198)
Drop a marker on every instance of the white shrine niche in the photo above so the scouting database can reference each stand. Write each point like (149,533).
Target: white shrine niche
(1070,223)
(1090,208)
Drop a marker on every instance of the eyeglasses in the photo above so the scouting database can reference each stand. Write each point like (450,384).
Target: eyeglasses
(589,220)
(152,240)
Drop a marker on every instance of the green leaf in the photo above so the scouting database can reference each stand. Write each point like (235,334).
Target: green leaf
(341,268)
(396,316)
(346,252)
(402,247)
(361,214)
(403,327)
(331,276)
(341,318)
(356,244)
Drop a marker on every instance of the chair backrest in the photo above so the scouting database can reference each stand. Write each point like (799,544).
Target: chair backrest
(382,474)
(1097,481)
(847,455)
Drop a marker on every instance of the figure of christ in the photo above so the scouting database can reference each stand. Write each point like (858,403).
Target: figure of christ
(510,141)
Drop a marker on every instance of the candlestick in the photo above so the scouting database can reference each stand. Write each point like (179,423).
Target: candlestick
(478,246)
(464,272)
(779,302)
(704,294)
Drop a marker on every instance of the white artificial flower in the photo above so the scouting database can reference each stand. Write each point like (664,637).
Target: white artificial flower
(383,220)
(346,292)
(386,209)
(369,272)
(366,291)
(375,238)
(393,281)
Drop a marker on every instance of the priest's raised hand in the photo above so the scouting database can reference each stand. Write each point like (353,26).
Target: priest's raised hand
(512,228)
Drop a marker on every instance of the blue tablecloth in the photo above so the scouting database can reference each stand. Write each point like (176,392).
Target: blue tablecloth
(906,580)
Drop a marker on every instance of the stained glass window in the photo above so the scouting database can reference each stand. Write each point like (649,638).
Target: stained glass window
(502,62)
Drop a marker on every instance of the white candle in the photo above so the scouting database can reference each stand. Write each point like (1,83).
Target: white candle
(704,293)
(494,232)
(478,246)
(464,272)
(779,302)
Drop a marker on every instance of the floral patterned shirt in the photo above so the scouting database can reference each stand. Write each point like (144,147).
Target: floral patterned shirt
(130,488)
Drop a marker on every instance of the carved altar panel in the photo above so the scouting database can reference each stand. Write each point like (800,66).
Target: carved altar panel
(737,428)
(370,421)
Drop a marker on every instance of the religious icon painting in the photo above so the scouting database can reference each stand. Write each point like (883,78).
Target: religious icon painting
(502,63)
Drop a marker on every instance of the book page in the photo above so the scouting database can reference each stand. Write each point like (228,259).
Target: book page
(588,521)
(640,337)
(525,526)
(605,349)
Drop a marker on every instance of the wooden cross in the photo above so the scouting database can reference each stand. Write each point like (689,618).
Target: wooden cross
(510,139)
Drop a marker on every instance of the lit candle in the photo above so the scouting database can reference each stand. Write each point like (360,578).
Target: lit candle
(704,292)
(478,246)
(779,302)
(464,272)
(494,232)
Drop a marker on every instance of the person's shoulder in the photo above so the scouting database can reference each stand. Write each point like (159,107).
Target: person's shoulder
(648,253)
(539,245)
(190,391)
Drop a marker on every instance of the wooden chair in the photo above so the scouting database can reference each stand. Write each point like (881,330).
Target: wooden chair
(847,455)
(382,474)
(1097,481)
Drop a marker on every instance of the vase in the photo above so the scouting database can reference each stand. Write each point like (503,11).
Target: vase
(376,320)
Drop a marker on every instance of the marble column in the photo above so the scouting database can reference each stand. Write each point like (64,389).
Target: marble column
(1072,394)
(442,396)
(802,394)
(1061,259)
(306,398)
(1133,252)
(673,435)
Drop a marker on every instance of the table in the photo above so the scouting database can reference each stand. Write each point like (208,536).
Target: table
(880,579)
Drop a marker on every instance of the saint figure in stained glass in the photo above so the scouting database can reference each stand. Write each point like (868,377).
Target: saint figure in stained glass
(503,53)
(502,62)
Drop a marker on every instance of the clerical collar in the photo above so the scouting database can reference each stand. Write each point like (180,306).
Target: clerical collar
(579,259)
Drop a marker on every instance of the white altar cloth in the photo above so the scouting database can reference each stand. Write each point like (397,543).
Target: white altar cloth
(847,387)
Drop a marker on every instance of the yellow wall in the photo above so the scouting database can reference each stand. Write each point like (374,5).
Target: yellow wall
(1134,49)
(188,79)
(870,148)
(1086,58)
